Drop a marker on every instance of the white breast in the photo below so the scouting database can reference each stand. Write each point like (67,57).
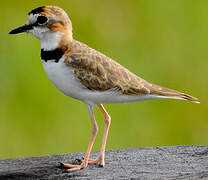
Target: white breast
(63,78)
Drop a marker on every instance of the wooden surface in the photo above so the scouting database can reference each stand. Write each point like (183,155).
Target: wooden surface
(174,162)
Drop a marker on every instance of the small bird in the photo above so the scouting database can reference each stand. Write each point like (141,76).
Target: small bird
(86,74)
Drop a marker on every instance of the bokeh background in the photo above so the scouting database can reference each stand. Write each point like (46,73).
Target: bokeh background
(163,41)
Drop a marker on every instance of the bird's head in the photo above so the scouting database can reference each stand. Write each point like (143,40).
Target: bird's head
(47,23)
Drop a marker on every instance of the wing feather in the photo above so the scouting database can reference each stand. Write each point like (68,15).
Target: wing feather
(99,72)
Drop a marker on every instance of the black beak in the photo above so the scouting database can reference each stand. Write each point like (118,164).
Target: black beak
(21,29)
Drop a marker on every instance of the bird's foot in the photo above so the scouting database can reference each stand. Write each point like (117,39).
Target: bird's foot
(99,160)
(83,164)
(72,167)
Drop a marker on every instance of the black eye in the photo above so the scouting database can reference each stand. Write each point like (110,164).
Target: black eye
(42,19)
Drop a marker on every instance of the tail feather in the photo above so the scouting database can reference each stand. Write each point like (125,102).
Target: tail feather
(170,93)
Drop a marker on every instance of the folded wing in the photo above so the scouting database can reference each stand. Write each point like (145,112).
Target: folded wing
(99,72)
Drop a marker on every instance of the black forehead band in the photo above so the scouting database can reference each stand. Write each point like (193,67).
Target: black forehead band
(37,10)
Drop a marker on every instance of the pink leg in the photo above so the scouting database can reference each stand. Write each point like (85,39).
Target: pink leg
(101,158)
(94,133)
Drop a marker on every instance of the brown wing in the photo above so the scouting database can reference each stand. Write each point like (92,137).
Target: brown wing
(98,72)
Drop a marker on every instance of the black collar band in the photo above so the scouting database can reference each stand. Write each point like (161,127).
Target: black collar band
(55,54)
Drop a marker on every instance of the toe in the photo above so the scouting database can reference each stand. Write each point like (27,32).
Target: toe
(77,168)
(93,161)
(63,165)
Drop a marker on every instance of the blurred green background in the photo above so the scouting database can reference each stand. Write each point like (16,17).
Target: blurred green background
(163,41)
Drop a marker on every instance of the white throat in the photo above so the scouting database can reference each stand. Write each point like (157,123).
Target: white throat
(50,41)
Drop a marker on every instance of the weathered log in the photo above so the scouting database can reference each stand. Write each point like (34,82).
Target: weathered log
(174,162)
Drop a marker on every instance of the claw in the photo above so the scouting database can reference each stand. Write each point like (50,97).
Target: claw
(100,165)
(61,165)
